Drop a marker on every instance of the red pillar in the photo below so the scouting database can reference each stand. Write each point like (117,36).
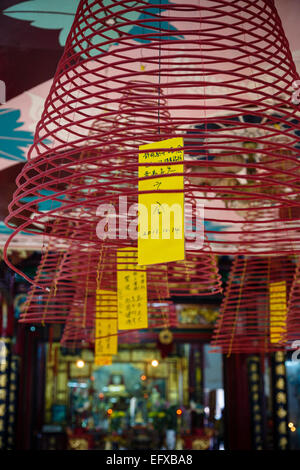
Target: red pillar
(237,403)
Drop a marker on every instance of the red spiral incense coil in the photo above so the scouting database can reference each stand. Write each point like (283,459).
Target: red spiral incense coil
(217,73)
(76,269)
(196,276)
(253,315)
(78,272)
(77,334)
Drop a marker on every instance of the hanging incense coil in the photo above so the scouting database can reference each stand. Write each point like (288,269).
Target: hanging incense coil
(76,269)
(69,265)
(62,274)
(143,73)
(197,275)
(82,334)
(254,309)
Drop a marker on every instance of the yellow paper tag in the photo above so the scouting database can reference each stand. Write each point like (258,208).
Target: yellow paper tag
(161,215)
(132,291)
(106,304)
(106,339)
(278,310)
(103,360)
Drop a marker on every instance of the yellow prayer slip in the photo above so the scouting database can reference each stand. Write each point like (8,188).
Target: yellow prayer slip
(106,303)
(132,291)
(106,324)
(278,310)
(161,215)
(106,338)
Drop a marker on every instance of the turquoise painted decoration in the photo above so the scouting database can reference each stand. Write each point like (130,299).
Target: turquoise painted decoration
(57,14)
(14,142)
(45,14)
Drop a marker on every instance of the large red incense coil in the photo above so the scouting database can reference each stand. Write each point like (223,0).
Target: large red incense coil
(248,321)
(197,275)
(77,309)
(144,73)
(82,334)
(78,265)
(61,273)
